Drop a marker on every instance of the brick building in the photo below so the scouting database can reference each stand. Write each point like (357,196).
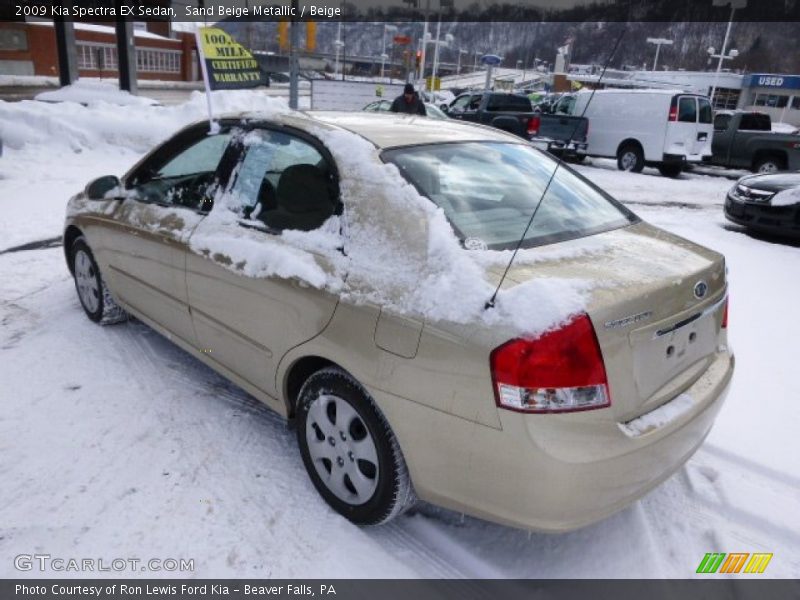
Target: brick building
(29,48)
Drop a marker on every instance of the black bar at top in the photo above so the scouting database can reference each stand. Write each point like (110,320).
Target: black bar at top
(414,10)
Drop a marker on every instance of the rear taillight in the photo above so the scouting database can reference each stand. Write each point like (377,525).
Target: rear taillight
(673,113)
(725,315)
(560,371)
(533,125)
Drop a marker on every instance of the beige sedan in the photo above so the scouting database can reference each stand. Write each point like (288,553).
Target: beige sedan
(441,312)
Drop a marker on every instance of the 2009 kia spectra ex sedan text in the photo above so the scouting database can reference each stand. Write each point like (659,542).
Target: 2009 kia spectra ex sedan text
(342,269)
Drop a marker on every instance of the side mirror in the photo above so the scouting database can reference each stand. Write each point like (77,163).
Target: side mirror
(97,189)
(444,107)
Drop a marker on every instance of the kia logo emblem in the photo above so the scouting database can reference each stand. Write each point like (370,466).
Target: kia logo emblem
(700,289)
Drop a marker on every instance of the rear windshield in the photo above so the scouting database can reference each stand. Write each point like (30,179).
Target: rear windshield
(755,122)
(489,190)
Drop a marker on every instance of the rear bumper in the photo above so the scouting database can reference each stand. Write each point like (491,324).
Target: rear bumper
(553,472)
(777,220)
(683,159)
(560,147)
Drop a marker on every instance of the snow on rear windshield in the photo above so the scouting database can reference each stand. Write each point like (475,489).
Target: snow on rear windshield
(489,190)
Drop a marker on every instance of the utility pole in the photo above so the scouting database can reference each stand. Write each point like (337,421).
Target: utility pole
(293,32)
(126,53)
(65,46)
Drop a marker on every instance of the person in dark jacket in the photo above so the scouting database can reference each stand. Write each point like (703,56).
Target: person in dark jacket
(409,103)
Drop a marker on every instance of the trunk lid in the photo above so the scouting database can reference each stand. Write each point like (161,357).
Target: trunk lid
(657,324)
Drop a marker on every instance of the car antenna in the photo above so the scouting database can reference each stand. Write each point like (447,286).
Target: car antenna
(491,301)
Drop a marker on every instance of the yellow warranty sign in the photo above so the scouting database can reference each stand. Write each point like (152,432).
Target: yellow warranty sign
(228,64)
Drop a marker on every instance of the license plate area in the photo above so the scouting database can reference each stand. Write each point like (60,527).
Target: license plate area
(672,349)
(735,209)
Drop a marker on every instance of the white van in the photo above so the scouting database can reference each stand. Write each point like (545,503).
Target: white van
(659,128)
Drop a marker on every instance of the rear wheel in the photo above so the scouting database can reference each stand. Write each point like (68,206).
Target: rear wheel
(96,300)
(349,450)
(670,169)
(768,164)
(630,158)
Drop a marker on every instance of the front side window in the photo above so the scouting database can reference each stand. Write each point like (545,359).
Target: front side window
(284,182)
(489,190)
(687,110)
(461,102)
(182,172)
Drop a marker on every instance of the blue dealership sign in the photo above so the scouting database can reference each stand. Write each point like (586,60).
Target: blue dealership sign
(785,82)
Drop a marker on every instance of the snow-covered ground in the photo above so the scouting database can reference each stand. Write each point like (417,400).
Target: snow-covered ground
(115,443)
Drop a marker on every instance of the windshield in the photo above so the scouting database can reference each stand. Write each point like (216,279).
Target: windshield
(489,190)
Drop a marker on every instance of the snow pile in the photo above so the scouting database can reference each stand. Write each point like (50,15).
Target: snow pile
(781,127)
(94,92)
(404,255)
(255,254)
(135,127)
(655,419)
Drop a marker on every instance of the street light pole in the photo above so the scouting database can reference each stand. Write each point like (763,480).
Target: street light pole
(421,74)
(722,55)
(436,52)
(383,54)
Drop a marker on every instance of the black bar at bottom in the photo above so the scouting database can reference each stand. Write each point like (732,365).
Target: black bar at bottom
(752,588)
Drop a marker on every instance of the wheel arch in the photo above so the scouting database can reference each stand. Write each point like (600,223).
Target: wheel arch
(629,142)
(765,153)
(71,234)
(297,374)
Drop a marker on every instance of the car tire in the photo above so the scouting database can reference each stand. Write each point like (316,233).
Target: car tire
(768,164)
(670,169)
(94,296)
(630,158)
(349,450)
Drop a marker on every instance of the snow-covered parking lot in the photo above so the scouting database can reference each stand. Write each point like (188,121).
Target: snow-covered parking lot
(115,443)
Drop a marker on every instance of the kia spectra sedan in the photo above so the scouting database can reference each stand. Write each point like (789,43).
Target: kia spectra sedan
(442,312)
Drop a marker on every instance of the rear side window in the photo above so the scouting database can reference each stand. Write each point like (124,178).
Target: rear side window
(687,110)
(706,114)
(284,182)
(566,105)
(721,122)
(755,122)
(509,103)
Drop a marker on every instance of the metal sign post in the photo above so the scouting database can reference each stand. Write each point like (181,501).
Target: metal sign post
(491,61)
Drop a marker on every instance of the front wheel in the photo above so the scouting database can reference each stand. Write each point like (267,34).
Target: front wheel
(630,158)
(96,300)
(349,450)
